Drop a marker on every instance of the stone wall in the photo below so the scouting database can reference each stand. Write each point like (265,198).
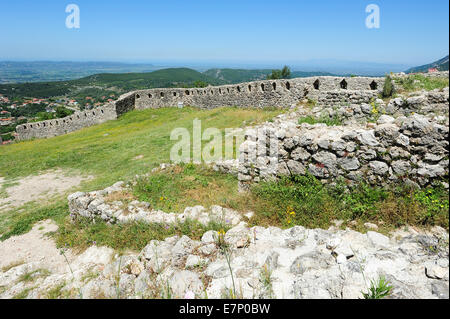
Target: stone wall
(259,94)
(411,150)
(268,93)
(65,125)
(125,103)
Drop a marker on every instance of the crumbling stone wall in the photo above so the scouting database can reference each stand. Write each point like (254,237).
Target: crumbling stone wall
(125,103)
(268,93)
(65,125)
(406,147)
(259,94)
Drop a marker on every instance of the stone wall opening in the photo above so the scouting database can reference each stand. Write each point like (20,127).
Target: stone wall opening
(316,84)
(343,84)
(373,86)
(274,86)
(288,85)
(262,87)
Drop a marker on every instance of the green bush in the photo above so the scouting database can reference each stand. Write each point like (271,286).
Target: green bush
(284,73)
(388,88)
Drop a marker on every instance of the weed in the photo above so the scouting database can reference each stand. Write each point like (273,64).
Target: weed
(378,289)
(12,265)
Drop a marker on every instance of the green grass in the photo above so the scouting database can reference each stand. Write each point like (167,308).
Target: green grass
(20,221)
(304,200)
(33,275)
(188,185)
(329,121)
(298,200)
(23,294)
(107,153)
(133,236)
(107,150)
(57,292)
(419,82)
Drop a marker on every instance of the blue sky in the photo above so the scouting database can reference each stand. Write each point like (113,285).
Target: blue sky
(246,31)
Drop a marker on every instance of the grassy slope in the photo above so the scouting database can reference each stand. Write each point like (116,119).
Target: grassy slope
(290,201)
(107,152)
(419,82)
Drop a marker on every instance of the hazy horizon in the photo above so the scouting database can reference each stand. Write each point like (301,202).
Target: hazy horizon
(233,33)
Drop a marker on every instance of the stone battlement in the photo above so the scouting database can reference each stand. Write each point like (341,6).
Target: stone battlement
(65,125)
(267,93)
(259,94)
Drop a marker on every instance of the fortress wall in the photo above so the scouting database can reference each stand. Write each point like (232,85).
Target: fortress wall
(125,103)
(411,150)
(67,124)
(257,94)
(267,93)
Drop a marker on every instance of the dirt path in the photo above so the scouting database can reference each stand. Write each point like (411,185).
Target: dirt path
(34,246)
(35,187)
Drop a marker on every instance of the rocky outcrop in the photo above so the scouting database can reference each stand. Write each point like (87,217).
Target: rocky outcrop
(375,143)
(93,205)
(264,263)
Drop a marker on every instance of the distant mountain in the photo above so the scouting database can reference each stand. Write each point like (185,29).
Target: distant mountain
(237,75)
(121,82)
(232,76)
(302,74)
(441,65)
(172,77)
(40,71)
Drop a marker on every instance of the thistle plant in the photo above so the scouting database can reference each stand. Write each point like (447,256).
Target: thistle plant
(63,253)
(226,251)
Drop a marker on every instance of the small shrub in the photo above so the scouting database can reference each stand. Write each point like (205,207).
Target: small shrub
(388,88)
(378,289)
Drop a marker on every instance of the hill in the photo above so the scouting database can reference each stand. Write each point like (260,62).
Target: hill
(43,71)
(441,65)
(120,82)
(232,76)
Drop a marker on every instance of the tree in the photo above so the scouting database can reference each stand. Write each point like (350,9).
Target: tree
(388,89)
(43,116)
(200,84)
(285,73)
(63,112)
